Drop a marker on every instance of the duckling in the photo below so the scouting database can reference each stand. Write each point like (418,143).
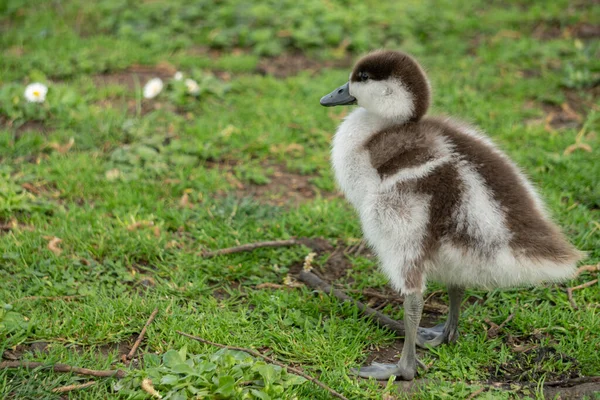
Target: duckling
(437,200)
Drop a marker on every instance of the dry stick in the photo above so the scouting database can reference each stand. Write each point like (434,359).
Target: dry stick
(69,388)
(587,268)
(574,381)
(494,329)
(271,285)
(50,297)
(142,333)
(270,360)
(477,393)
(317,283)
(582,286)
(107,373)
(373,293)
(440,308)
(5,227)
(252,246)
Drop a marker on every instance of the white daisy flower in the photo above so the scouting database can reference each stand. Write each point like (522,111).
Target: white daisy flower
(178,76)
(36,92)
(153,88)
(192,86)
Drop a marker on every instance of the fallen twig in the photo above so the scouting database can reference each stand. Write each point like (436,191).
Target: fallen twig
(50,297)
(317,283)
(117,373)
(6,227)
(70,388)
(252,246)
(433,294)
(476,393)
(574,381)
(495,329)
(373,293)
(582,286)
(524,348)
(270,360)
(387,299)
(141,336)
(356,249)
(271,285)
(587,268)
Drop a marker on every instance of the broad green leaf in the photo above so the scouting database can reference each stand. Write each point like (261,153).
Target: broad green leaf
(226,385)
(183,159)
(182,368)
(146,152)
(292,380)
(169,379)
(260,395)
(206,366)
(267,372)
(183,352)
(12,322)
(172,358)
(151,360)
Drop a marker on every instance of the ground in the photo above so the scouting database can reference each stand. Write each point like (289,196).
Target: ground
(108,200)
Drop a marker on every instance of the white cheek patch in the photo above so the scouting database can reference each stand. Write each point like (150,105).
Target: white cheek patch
(388,99)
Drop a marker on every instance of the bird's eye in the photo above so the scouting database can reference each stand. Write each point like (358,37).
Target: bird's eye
(363,76)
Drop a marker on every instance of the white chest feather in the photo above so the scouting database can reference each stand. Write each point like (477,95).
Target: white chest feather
(393,222)
(350,160)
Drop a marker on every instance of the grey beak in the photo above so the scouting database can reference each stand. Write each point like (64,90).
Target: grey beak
(339,97)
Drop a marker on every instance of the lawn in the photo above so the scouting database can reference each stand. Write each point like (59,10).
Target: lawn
(109,200)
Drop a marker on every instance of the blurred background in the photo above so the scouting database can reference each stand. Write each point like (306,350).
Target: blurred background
(136,135)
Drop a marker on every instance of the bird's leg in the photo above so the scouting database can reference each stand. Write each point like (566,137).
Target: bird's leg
(407,366)
(444,333)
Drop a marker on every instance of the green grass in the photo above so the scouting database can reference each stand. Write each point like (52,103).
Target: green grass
(505,66)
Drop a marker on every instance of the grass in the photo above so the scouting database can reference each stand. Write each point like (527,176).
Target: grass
(148,184)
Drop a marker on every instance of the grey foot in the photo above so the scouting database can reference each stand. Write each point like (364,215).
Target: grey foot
(384,371)
(425,334)
(433,337)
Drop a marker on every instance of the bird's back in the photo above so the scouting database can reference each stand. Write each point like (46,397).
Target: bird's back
(485,218)
(492,189)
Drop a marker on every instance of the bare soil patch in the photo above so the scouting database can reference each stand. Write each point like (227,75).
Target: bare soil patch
(389,354)
(134,75)
(292,64)
(529,366)
(337,265)
(19,352)
(284,188)
(581,391)
(571,113)
(27,126)
(145,106)
(549,30)
(134,78)
(281,66)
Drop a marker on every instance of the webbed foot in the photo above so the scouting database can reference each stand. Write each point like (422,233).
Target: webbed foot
(436,335)
(443,333)
(404,370)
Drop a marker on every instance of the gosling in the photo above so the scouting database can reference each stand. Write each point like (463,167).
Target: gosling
(437,201)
